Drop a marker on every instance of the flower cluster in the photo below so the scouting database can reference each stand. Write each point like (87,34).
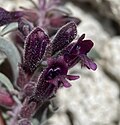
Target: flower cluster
(62,54)
(46,60)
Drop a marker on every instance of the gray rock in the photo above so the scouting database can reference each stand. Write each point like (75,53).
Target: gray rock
(108,8)
(111,57)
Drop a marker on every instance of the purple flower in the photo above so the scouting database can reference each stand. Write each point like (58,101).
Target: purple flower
(7,17)
(34,49)
(52,78)
(77,51)
(54,74)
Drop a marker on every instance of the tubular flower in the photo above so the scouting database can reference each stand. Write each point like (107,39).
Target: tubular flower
(65,53)
(53,77)
(38,45)
(46,59)
(77,51)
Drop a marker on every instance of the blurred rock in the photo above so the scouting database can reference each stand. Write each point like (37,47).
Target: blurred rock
(112,58)
(108,8)
(59,119)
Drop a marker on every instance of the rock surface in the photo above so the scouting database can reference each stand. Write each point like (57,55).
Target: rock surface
(112,58)
(108,8)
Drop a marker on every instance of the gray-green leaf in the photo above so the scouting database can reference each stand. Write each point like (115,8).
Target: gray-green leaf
(2,57)
(6,82)
(12,54)
(8,28)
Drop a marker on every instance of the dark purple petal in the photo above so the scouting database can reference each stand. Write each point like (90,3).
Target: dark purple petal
(73,50)
(72,77)
(85,46)
(64,36)
(65,83)
(34,49)
(85,61)
(54,81)
(77,51)
(7,17)
(81,46)
(71,55)
(55,63)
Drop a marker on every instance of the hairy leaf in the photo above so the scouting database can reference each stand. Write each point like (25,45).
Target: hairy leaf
(2,57)
(6,82)
(8,28)
(12,54)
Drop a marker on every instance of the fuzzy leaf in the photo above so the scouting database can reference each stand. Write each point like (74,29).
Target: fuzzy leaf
(8,28)
(12,54)
(2,57)
(35,121)
(6,82)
